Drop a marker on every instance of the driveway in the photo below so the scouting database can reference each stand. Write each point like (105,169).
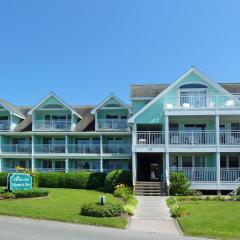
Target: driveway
(12,228)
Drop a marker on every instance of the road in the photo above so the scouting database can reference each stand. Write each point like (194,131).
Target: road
(13,228)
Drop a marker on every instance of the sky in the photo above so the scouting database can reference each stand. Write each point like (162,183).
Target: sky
(85,50)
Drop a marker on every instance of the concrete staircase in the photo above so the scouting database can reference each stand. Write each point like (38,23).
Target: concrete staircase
(150,189)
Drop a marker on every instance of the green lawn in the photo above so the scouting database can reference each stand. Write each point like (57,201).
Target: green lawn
(216,219)
(61,205)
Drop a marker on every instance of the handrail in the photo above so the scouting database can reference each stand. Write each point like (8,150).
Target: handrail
(168,182)
(113,124)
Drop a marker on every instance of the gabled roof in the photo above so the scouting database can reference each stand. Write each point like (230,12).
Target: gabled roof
(51,94)
(107,99)
(182,77)
(12,109)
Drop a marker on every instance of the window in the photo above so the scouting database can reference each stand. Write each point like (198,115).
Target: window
(233,162)
(111,117)
(47,164)
(193,95)
(223,162)
(187,161)
(235,126)
(199,161)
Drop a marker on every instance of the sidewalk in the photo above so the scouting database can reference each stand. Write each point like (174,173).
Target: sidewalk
(153,215)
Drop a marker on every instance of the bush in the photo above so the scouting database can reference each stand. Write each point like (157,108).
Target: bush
(129,209)
(97,210)
(3,178)
(238,191)
(8,195)
(35,192)
(81,180)
(117,177)
(179,184)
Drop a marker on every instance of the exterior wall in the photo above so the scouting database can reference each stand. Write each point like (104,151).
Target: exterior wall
(138,104)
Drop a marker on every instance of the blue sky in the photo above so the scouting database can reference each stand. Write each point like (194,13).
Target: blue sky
(84,50)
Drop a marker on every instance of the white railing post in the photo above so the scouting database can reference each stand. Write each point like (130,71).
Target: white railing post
(218,169)
(166,130)
(101,153)
(217,129)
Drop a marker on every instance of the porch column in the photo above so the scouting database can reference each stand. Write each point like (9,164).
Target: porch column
(66,165)
(33,164)
(1,164)
(217,129)
(53,165)
(66,144)
(134,160)
(218,169)
(167,161)
(0,143)
(166,130)
(101,153)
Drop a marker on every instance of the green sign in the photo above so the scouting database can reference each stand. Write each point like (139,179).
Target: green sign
(19,181)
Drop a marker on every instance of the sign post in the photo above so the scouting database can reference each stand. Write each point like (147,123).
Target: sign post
(19,181)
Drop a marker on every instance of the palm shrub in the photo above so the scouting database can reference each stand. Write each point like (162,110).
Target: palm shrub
(179,184)
(117,177)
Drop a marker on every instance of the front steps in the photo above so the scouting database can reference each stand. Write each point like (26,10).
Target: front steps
(150,188)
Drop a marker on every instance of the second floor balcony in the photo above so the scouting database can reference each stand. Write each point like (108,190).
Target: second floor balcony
(16,148)
(49,148)
(112,124)
(52,125)
(188,138)
(84,148)
(117,148)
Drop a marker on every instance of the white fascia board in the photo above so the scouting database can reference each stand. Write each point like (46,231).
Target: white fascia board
(51,94)
(107,99)
(182,77)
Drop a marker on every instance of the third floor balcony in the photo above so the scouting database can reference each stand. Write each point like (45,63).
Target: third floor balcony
(52,125)
(112,124)
(202,101)
(4,125)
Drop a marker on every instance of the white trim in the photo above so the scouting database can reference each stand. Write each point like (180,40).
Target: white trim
(10,111)
(51,94)
(191,70)
(107,99)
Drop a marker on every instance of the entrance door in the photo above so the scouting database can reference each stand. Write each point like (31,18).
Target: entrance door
(155,171)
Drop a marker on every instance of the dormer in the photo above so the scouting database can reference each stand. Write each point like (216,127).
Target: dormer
(10,116)
(111,114)
(52,114)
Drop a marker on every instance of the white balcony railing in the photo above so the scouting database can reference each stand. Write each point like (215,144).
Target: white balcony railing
(16,148)
(49,170)
(150,138)
(192,137)
(47,125)
(113,124)
(4,125)
(230,175)
(202,101)
(230,138)
(49,148)
(84,148)
(117,148)
(198,174)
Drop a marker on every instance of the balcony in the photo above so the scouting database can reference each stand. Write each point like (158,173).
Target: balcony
(192,137)
(150,138)
(112,124)
(210,174)
(117,149)
(230,137)
(17,148)
(203,102)
(84,148)
(49,148)
(52,125)
(4,125)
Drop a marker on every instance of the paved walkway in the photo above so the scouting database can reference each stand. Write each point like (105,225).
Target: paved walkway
(153,215)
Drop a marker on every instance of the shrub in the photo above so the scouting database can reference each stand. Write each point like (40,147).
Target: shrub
(117,177)
(8,195)
(97,210)
(3,178)
(179,184)
(129,209)
(35,192)
(82,180)
(177,210)
(238,191)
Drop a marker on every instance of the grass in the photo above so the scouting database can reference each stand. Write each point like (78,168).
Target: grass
(217,219)
(62,205)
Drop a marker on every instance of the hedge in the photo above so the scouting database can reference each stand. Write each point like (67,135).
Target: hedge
(117,177)
(3,179)
(35,192)
(81,180)
(97,210)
